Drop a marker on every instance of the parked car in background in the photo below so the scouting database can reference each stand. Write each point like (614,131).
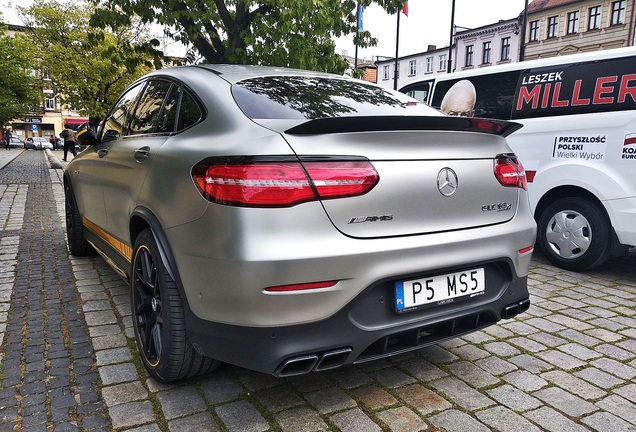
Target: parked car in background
(37,143)
(289,221)
(16,143)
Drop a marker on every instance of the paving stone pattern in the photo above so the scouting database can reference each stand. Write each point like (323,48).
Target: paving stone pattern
(69,362)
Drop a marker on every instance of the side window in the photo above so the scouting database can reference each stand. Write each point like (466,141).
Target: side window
(147,110)
(115,122)
(168,116)
(189,111)
(418,90)
(492,97)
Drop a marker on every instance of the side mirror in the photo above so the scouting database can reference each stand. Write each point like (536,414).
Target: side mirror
(86,135)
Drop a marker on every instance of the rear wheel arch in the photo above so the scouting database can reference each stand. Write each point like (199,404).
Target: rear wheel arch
(564,192)
(571,203)
(141,219)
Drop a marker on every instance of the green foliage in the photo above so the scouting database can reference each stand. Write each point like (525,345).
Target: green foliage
(294,33)
(89,67)
(19,92)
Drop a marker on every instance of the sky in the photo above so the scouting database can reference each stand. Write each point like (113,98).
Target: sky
(428,23)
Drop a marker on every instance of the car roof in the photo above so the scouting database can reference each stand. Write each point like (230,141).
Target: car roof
(235,73)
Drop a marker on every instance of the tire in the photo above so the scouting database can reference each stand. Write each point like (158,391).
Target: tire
(77,243)
(158,318)
(575,234)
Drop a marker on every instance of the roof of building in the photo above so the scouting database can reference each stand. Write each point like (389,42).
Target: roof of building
(539,5)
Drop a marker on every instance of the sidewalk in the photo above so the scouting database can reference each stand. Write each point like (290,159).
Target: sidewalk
(7,156)
(69,362)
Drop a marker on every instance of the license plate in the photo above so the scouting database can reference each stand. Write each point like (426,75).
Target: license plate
(412,294)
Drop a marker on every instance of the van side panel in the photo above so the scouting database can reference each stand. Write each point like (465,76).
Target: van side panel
(579,133)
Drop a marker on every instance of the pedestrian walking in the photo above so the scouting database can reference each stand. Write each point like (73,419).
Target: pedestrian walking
(69,141)
(7,138)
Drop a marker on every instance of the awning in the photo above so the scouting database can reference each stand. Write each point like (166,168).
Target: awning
(74,121)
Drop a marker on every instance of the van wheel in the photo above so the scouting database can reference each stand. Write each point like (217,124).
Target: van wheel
(574,234)
(159,319)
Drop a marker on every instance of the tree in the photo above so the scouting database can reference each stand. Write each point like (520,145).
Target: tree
(294,33)
(89,68)
(19,91)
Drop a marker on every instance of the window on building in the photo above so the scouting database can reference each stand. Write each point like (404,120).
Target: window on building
(618,12)
(45,74)
(485,58)
(505,48)
(412,67)
(469,56)
(50,103)
(385,72)
(553,26)
(442,62)
(429,64)
(534,31)
(573,22)
(594,18)
(397,71)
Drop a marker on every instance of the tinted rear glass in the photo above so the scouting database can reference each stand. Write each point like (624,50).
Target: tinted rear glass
(293,97)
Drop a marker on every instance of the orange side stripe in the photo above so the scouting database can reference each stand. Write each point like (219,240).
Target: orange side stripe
(122,248)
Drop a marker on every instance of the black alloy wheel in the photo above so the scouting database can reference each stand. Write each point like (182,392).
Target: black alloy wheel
(77,243)
(158,318)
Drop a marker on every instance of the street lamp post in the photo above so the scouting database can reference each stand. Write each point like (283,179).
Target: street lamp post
(522,50)
(450,43)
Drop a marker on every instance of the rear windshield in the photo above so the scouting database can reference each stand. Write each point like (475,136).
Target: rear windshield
(299,97)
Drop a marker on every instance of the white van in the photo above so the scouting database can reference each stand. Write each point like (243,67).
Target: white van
(578,145)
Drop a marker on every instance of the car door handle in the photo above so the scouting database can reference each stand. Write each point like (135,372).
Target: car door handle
(142,154)
(102,152)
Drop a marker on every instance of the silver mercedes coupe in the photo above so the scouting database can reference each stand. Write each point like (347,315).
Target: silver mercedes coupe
(290,221)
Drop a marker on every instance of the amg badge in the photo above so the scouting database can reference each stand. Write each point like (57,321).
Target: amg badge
(362,219)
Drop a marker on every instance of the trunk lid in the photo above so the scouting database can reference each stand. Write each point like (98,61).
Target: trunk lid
(434,179)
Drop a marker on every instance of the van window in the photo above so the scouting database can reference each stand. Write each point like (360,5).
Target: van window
(495,94)
(419,90)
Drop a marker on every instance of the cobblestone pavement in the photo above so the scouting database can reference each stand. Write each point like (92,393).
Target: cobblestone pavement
(69,362)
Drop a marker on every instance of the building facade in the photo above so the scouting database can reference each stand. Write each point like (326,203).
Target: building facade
(52,116)
(560,27)
(412,68)
(481,47)
(489,45)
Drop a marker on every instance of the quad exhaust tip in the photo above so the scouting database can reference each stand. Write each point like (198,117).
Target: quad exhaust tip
(515,309)
(313,362)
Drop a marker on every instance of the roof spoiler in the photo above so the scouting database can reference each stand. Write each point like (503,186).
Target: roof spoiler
(404,123)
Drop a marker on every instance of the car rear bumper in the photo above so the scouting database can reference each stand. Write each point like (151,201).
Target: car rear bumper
(366,329)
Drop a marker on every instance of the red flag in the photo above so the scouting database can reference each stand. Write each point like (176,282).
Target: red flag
(405,9)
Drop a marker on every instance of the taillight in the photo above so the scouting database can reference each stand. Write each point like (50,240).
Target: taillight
(509,172)
(282,184)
